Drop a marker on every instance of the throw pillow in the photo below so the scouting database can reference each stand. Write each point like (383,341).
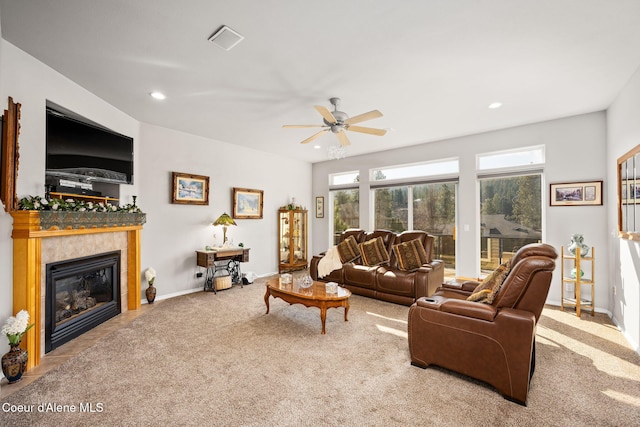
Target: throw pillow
(373,252)
(348,250)
(410,255)
(486,291)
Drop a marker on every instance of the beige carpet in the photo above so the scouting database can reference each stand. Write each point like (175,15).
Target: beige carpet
(218,360)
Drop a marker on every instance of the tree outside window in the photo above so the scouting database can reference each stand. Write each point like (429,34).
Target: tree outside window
(429,207)
(346,211)
(511,217)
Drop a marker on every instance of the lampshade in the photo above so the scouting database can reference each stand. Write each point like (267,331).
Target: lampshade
(224,220)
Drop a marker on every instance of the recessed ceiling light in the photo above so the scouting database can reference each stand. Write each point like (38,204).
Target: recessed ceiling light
(495,105)
(158,95)
(317,147)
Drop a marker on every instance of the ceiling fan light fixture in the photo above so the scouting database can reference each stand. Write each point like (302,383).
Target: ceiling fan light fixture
(226,38)
(336,152)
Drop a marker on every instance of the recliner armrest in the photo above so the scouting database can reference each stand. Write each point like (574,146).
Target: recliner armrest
(465,308)
(464,285)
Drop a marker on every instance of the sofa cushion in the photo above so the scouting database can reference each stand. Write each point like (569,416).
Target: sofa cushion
(486,291)
(373,252)
(410,255)
(348,250)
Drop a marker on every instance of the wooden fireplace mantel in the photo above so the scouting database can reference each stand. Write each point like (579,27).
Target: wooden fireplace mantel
(27,259)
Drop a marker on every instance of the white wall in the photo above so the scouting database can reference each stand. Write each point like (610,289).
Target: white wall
(31,83)
(623,129)
(6,244)
(575,149)
(174,232)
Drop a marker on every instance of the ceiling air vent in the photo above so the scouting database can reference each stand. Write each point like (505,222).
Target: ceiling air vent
(226,38)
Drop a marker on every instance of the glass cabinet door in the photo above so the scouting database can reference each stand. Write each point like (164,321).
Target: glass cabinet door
(292,239)
(299,237)
(284,236)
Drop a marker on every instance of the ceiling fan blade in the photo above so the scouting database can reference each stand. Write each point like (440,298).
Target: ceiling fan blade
(342,136)
(314,136)
(302,126)
(370,131)
(374,114)
(325,113)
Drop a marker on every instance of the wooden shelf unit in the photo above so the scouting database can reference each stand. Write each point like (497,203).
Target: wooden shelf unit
(575,299)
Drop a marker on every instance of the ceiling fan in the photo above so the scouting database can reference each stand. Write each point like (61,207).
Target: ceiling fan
(338,122)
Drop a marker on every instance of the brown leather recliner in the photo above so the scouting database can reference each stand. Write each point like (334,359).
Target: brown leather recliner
(494,343)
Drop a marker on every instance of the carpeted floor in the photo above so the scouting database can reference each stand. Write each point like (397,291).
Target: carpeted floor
(218,360)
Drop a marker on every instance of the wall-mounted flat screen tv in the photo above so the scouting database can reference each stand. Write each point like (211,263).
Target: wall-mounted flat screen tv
(84,152)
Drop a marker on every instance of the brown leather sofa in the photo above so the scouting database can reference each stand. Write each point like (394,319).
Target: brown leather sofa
(494,343)
(387,281)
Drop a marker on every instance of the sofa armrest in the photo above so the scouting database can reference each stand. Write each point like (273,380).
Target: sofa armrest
(313,266)
(428,278)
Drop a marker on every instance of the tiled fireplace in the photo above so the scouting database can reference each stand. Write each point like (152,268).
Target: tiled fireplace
(80,294)
(34,249)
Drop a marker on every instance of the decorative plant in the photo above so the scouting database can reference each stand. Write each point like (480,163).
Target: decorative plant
(38,203)
(150,275)
(16,327)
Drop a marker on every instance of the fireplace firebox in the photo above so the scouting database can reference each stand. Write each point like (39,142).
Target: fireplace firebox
(81,293)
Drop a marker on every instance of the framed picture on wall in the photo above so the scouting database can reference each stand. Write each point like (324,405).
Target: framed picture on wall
(586,193)
(319,207)
(247,203)
(190,189)
(632,190)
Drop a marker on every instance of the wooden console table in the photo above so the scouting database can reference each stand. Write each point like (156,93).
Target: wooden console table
(208,259)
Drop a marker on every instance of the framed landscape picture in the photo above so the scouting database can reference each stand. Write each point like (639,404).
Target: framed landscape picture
(587,193)
(247,203)
(190,189)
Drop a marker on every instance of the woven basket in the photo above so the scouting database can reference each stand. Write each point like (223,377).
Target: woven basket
(223,282)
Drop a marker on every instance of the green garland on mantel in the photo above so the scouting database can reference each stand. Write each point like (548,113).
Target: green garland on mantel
(64,213)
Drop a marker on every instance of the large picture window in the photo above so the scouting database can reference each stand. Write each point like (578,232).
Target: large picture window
(510,217)
(430,207)
(345,205)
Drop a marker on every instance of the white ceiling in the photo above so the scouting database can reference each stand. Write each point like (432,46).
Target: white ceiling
(431,66)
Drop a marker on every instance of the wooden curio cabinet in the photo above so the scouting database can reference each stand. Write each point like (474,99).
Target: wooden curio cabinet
(292,240)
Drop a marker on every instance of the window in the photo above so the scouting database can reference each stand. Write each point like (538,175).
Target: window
(428,169)
(344,178)
(434,211)
(511,159)
(510,203)
(345,205)
(510,217)
(428,206)
(391,208)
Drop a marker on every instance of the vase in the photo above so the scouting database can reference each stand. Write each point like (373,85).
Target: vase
(577,241)
(14,363)
(574,273)
(151,294)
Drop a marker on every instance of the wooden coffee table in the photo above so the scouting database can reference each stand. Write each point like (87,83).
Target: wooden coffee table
(314,296)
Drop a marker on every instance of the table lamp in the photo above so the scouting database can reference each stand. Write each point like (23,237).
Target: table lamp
(224,220)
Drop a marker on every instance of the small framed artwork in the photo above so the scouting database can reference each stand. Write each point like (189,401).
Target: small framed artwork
(320,207)
(632,190)
(190,189)
(587,193)
(247,203)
